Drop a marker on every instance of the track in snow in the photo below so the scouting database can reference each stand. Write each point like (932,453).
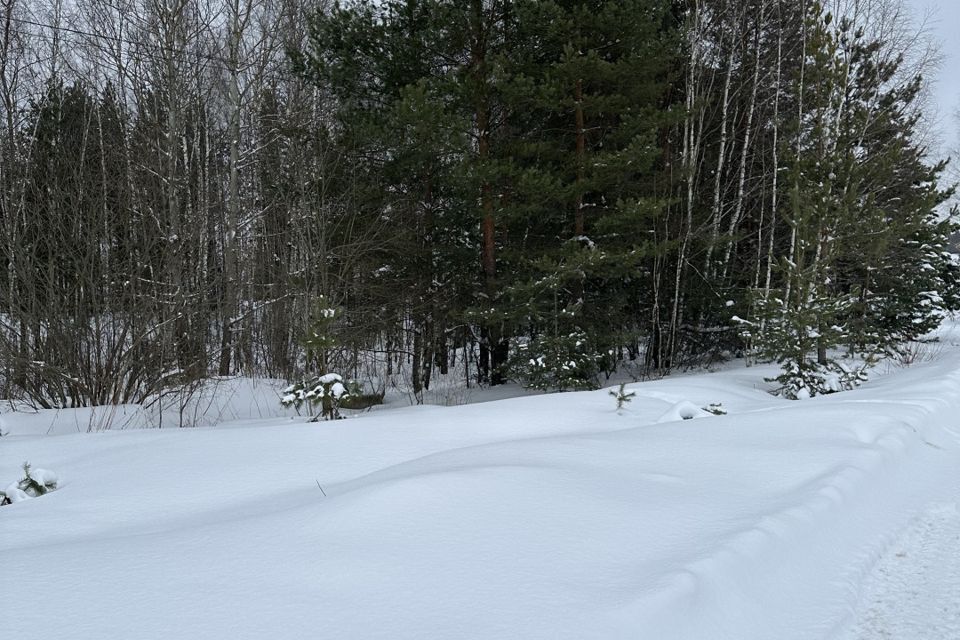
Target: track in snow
(914,591)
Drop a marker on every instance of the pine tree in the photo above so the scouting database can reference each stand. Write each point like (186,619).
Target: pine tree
(326,389)
(585,103)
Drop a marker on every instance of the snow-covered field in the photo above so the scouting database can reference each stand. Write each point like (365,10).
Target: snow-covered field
(536,517)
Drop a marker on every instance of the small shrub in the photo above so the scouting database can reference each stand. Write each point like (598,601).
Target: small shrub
(327,391)
(35,482)
(560,363)
(357,401)
(622,396)
(809,379)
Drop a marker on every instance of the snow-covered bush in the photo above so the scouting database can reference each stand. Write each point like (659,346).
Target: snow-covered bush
(808,378)
(803,335)
(684,410)
(35,482)
(716,408)
(326,390)
(560,363)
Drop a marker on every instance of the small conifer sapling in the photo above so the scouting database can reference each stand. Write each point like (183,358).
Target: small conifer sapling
(622,396)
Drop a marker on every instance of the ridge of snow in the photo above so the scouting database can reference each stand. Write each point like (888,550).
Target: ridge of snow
(538,517)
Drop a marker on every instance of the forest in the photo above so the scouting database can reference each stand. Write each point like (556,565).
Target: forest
(545,192)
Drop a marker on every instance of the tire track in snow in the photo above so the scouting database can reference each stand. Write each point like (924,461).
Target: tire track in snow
(913,592)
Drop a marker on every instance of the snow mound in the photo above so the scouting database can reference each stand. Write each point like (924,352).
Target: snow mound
(683,410)
(45,477)
(15,494)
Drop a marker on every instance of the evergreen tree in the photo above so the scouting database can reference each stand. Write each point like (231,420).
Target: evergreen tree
(866,260)
(585,102)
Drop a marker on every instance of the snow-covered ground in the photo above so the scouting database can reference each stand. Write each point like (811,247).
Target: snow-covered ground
(914,591)
(536,517)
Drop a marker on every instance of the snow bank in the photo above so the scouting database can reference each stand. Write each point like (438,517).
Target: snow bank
(26,421)
(217,401)
(540,517)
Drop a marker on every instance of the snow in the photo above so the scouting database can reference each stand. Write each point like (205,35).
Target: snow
(45,477)
(15,494)
(914,591)
(551,516)
(219,401)
(683,410)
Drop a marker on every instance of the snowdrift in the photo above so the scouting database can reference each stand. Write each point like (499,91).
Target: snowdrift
(538,517)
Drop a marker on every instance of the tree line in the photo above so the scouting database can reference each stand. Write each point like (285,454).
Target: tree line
(540,191)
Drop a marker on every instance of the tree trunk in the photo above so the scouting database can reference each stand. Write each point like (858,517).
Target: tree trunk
(748,130)
(716,212)
(493,357)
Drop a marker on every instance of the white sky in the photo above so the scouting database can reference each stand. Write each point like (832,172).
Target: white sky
(942,18)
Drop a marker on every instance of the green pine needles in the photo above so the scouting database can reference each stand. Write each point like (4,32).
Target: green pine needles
(325,391)
(35,482)
(555,363)
(622,396)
